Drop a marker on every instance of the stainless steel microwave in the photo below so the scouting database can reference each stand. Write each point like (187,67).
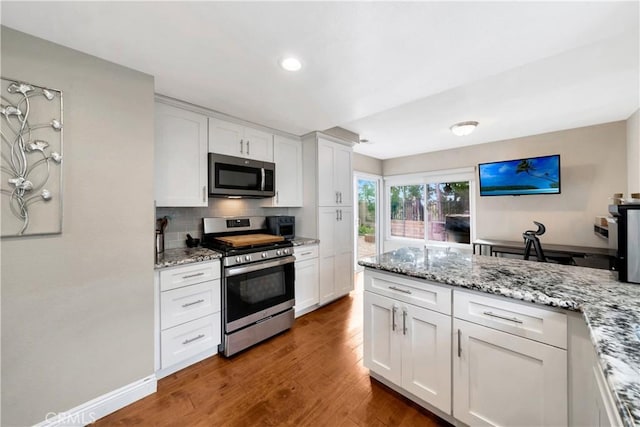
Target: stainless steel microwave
(237,177)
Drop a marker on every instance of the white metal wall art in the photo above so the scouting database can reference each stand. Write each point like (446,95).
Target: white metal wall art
(31,129)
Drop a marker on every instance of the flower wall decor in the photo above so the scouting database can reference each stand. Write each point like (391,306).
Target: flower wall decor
(31,163)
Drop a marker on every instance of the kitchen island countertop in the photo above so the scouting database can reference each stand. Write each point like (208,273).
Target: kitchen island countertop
(610,308)
(180,256)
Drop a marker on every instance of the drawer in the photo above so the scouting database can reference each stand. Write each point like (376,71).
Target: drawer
(191,274)
(187,340)
(419,292)
(188,303)
(305,252)
(520,319)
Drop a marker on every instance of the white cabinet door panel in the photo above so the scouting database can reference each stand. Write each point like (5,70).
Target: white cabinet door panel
(327,192)
(343,177)
(258,145)
(225,137)
(287,155)
(505,380)
(426,355)
(306,288)
(180,157)
(382,352)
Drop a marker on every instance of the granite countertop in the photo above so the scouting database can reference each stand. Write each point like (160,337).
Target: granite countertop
(610,308)
(301,241)
(180,256)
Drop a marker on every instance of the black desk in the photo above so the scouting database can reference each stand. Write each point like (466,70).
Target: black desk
(517,248)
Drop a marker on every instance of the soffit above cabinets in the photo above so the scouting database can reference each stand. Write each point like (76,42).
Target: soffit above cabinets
(397,74)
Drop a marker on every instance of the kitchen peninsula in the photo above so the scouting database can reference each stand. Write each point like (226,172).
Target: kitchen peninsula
(454,286)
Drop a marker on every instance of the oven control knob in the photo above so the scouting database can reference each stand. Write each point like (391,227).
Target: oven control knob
(247,257)
(264,255)
(286,251)
(238,259)
(278,252)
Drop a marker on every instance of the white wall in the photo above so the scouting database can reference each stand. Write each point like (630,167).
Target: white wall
(633,153)
(77,308)
(593,167)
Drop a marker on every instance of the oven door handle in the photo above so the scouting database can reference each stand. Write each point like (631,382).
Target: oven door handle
(229,272)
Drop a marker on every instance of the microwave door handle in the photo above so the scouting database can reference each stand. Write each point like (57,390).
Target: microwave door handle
(263,179)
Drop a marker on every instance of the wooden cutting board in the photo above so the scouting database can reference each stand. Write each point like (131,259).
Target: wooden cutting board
(250,239)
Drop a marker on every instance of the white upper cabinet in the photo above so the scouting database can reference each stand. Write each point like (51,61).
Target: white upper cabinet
(287,155)
(233,139)
(180,157)
(334,166)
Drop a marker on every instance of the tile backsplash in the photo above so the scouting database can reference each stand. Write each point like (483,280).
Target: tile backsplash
(189,220)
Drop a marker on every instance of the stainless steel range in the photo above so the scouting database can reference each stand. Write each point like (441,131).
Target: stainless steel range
(258,278)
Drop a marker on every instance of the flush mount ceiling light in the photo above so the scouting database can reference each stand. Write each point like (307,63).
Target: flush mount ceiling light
(290,63)
(463,128)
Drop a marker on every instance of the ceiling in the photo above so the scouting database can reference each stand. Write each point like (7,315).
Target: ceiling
(397,73)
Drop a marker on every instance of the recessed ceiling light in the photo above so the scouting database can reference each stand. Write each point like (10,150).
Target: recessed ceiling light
(463,128)
(290,63)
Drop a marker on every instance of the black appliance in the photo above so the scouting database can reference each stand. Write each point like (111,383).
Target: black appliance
(282,225)
(258,280)
(236,177)
(628,252)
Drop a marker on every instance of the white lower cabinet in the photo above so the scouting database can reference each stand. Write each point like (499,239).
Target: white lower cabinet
(504,380)
(500,369)
(410,346)
(307,279)
(188,319)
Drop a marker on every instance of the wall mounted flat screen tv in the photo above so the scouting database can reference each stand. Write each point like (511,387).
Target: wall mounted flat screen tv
(534,175)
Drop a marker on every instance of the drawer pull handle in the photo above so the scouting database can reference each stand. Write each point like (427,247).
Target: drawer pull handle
(404,291)
(190,340)
(393,318)
(404,322)
(191,276)
(306,253)
(510,319)
(192,303)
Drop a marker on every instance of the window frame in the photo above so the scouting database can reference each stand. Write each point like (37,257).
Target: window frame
(424,178)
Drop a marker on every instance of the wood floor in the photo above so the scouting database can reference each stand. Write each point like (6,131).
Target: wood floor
(311,375)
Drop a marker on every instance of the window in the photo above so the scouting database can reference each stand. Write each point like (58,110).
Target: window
(448,213)
(407,211)
(437,210)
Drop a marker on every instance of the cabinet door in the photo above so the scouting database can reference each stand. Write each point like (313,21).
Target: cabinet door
(327,192)
(287,155)
(180,157)
(226,138)
(343,178)
(343,249)
(258,145)
(382,339)
(500,379)
(426,355)
(307,290)
(327,219)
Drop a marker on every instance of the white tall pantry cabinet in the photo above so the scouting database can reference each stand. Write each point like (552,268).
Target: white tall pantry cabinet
(327,212)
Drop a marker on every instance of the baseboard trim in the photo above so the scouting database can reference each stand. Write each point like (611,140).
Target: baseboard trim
(101,406)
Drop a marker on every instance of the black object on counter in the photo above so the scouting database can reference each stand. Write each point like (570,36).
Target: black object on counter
(191,242)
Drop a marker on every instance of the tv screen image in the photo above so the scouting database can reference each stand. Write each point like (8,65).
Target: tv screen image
(534,175)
